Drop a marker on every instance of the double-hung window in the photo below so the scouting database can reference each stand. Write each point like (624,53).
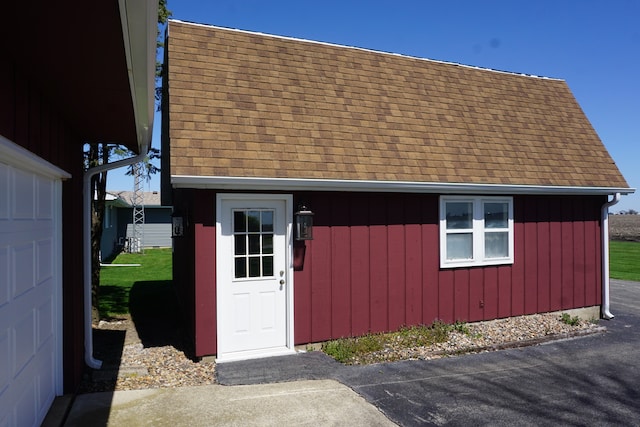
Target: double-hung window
(475,231)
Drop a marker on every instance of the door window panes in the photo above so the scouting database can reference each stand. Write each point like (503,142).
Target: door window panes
(267,221)
(253,243)
(267,266)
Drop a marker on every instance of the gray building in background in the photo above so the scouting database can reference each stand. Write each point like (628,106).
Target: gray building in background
(118,223)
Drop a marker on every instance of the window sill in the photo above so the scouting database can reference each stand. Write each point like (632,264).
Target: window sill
(471,263)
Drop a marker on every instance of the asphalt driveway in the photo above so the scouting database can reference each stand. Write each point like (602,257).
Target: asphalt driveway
(586,381)
(593,380)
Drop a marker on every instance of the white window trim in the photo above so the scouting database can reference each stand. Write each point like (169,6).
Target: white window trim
(478,231)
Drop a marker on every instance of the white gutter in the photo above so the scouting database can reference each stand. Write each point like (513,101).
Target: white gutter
(606,314)
(139,31)
(87,198)
(303,184)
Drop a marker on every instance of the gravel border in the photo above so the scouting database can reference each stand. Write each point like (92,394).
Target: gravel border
(512,332)
(128,365)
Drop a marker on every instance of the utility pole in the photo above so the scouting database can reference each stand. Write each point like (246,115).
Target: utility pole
(137,236)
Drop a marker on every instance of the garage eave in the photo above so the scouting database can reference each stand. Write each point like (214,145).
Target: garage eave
(139,30)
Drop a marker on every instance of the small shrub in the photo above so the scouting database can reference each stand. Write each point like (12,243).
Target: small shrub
(440,331)
(571,321)
(418,336)
(461,327)
(345,349)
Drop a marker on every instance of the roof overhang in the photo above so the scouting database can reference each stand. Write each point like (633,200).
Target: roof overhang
(287,184)
(94,62)
(139,30)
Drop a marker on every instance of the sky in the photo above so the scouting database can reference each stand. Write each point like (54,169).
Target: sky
(594,45)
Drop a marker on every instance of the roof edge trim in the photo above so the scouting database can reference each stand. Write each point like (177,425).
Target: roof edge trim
(364,49)
(139,32)
(13,154)
(292,184)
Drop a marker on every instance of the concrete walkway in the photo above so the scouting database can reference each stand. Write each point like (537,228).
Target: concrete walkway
(324,402)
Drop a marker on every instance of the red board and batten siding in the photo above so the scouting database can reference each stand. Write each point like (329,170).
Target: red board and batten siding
(374,265)
(204,218)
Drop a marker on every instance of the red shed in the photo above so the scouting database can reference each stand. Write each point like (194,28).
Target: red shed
(437,191)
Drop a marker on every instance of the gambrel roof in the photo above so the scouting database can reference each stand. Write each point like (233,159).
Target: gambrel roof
(247,105)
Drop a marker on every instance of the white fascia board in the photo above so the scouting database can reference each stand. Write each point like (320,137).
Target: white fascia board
(15,155)
(290,184)
(139,31)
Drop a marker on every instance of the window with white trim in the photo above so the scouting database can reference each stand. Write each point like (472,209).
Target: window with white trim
(475,231)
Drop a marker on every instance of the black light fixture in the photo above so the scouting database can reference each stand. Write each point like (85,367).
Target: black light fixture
(177,225)
(304,223)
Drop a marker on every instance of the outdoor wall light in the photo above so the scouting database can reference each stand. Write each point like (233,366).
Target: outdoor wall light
(177,225)
(304,223)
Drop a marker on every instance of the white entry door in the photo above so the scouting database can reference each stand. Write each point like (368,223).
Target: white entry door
(254,289)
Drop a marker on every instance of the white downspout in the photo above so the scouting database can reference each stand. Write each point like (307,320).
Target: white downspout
(86,243)
(606,314)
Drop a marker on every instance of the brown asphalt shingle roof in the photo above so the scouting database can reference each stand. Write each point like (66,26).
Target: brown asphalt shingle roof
(253,105)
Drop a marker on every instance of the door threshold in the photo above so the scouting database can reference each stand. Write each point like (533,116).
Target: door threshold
(254,354)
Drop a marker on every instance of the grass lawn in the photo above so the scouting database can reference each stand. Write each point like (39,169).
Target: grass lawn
(624,261)
(122,286)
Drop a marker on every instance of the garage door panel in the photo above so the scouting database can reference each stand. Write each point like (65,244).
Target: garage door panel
(46,382)
(4,276)
(23,195)
(5,359)
(24,343)
(44,204)
(30,289)
(5,194)
(44,260)
(26,407)
(44,326)
(27,230)
(23,263)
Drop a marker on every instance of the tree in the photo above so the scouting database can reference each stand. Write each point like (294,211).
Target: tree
(100,153)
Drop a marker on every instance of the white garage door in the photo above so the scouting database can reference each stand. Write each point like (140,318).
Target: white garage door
(30,286)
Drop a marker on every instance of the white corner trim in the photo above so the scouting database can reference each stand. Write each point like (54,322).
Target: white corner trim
(294,184)
(58,329)
(12,153)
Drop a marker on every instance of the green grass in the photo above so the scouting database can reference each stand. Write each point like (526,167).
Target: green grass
(346,350)
(117,284)
(624,260)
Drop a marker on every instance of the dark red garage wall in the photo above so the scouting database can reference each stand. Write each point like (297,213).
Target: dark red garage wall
(31,120)
(374,264)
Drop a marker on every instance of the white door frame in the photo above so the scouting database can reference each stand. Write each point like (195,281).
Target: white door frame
(288,201)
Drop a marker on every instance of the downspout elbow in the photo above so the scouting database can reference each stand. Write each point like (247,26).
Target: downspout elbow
(87,197)
(606,314)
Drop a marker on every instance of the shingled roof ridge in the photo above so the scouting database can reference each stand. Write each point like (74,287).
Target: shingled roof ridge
(381,52)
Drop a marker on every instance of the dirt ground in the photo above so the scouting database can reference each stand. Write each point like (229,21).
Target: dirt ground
(624,227)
